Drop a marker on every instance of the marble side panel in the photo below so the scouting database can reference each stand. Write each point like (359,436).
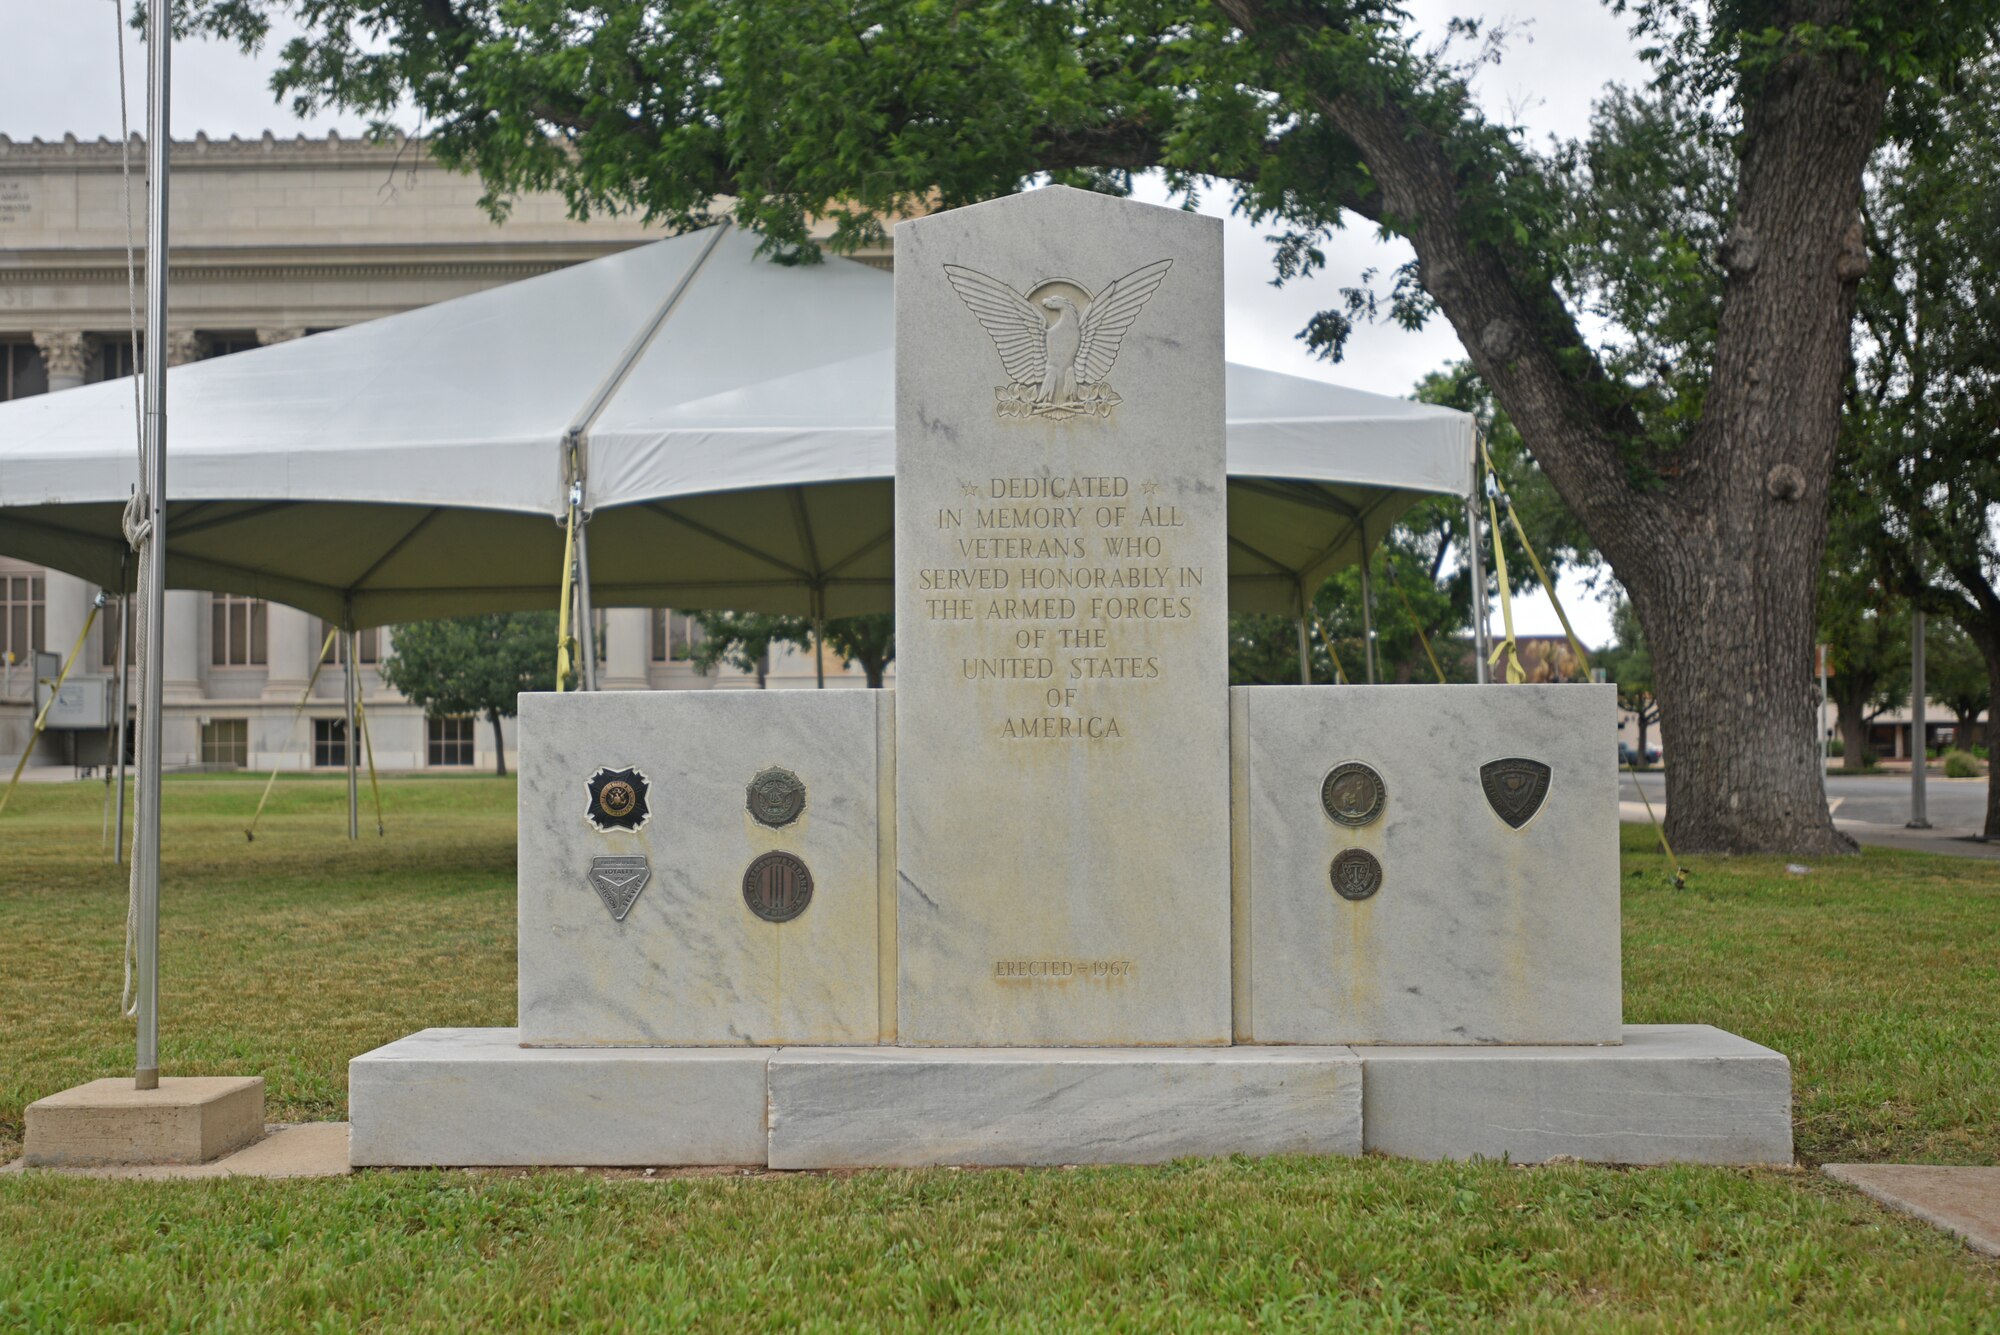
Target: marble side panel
(1670,1093)
(691,963)
(834,1107)
(476,1097)
(1061,596)
(1480,932)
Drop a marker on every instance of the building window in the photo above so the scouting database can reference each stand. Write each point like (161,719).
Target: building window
(22,373)
(117,357)
(23,618)
(451,740)
(368,645)
(225,742)
(675,634)
(223,345)
(329,742)
(237,631)
(107,621)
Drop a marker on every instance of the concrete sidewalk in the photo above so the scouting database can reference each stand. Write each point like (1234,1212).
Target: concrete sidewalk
(1964,1201)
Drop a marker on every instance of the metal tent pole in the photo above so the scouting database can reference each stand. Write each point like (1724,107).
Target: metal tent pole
(1919,727)
(118,762)
(146,841)
(586,622)
(1476,594)
(353,747)
(1305,655)
(1367,616)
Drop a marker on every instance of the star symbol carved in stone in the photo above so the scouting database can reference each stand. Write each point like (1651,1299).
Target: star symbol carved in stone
(969,488)
(1150,488)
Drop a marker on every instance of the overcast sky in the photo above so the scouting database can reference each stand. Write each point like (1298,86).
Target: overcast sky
(61,77)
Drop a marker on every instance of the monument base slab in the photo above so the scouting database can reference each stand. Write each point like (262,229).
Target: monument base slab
(1670,1093)
(912,1107)
(473,1097)
(187,1120)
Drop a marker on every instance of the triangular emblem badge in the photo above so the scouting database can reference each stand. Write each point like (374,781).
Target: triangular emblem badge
(1515,788)
(618,880)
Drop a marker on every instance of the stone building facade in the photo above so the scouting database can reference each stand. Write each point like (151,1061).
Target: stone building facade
(273,239)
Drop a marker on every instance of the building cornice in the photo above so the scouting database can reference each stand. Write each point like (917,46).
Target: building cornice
(72,154)
(360,263)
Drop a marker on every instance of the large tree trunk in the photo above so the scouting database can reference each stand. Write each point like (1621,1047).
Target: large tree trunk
(499,744)
(1853,724)
(1719,541)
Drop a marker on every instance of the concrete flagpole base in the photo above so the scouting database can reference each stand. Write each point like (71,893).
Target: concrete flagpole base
(186,1120)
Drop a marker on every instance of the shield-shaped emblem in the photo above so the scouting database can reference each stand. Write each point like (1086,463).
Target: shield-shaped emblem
(1515,788)
(618,880)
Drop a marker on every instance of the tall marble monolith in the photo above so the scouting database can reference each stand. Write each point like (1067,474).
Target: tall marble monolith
(1061,595)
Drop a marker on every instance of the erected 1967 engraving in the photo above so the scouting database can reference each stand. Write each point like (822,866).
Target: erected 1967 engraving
(1059,970)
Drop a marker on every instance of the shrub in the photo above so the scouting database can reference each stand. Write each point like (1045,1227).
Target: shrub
(1960,765)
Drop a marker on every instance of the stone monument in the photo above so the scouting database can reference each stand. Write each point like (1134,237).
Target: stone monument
(1062,717)
(1064,896)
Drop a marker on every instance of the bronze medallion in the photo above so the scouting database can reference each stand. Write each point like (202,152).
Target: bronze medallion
(1356,874)
(778,887)
(617,799)
(1515,788)
(1352,793)
(776,797)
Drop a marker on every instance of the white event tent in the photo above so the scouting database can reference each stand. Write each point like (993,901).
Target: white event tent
(734,423)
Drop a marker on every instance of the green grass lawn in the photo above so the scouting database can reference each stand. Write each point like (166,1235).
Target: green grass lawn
(1879,975)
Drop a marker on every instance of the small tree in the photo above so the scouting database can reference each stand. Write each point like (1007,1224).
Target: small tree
(1630,664)
(743,640)
(1869,636)
(868,640)
(475,665)
(1955,677)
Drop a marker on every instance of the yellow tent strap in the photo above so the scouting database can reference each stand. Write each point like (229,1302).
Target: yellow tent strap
(1548,585)
(565,643)
(1333,655)
(1422,638)
(250,830)
(1680,872)
(1515,673)
(42,719)
(368,749)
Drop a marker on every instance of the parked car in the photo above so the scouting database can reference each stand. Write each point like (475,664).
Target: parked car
(1629,755)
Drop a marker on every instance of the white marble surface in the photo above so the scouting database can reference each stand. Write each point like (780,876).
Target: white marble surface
(1067,577)
(691,964)
(1480,933)
(475,1097)
(835,1107)
(1671,1093)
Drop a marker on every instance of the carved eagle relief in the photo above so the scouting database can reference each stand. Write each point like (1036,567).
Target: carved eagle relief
(1056,341)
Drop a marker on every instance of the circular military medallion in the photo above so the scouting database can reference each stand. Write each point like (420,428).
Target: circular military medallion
(776,797)
(617,799)
(778,887)
(1352,793)
(1356,874)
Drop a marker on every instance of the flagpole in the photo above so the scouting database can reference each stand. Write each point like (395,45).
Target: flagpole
(153,575)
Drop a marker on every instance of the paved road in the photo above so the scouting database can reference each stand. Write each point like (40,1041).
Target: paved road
(1879,799)
(1871,807)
